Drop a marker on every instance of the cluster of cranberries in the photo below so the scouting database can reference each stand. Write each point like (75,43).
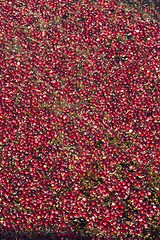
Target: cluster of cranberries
(79,120)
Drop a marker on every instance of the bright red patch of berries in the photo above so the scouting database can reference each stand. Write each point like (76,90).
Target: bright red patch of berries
(79,120)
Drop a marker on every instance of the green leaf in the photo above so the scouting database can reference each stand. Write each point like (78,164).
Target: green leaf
(120,167)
